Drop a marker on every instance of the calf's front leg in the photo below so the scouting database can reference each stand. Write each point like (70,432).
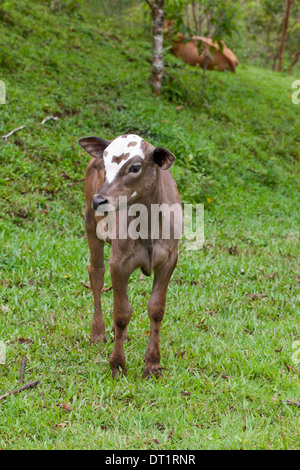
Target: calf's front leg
(156,310)
(96,273)
(121,315)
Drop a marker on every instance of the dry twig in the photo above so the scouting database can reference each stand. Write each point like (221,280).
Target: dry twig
(5,137)
(25,387)
(49,118)
(22,371)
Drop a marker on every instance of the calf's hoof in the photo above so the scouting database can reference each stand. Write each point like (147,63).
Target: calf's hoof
(117,365)
(98,338)
(153,371)
(115,371)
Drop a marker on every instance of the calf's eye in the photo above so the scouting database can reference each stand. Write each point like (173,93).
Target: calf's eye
(134,168)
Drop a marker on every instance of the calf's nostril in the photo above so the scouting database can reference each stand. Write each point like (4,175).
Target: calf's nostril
(98,201)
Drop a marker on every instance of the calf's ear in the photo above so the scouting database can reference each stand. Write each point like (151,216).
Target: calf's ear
(163,158)
(95,146)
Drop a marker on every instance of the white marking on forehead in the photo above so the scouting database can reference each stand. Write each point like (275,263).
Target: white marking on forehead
(118,147)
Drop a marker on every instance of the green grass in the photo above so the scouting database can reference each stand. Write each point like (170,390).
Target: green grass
(224,386)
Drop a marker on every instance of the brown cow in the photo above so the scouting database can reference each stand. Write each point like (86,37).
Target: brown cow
(189,53)
(130,168)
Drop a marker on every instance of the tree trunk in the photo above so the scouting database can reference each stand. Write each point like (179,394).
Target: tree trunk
(187,16)
(294,62)
(284,34)
(158,15)
(194,10)
(200,24)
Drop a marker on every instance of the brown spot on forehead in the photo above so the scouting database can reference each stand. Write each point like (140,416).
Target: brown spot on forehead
(124,136)
(132,144)
(117,160)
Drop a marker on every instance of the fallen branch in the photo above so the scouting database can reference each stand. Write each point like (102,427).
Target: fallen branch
(106,289)
(25,387)
(292,402)
(22,371)
(85,285)
(290,368)
(49,118)
(229,409)
(5,137)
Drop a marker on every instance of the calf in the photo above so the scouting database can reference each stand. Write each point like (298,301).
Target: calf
(130,167)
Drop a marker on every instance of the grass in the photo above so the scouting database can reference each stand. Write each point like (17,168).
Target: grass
(224,386)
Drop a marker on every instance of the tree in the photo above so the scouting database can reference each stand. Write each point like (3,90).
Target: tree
(158,15)
(269,29)
(284,34)
(295,60)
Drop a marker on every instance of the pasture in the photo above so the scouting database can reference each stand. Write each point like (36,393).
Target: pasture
(232,314)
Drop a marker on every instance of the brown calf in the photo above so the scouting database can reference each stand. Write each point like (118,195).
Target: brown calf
(129,166)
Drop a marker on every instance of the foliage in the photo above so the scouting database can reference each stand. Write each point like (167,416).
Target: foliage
(210,18)
(251,28)
(261,29)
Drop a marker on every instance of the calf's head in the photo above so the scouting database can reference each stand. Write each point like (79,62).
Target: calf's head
(131,165)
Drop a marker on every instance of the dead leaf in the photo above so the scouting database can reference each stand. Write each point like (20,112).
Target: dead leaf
(45,211)
(21,213)
(60,425)
(170,434)
(25,340)
(272,275)
(254,296)
(65,406)
(180,354)
(248,331)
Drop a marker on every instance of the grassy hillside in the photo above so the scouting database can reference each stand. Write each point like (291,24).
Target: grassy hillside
(226,336)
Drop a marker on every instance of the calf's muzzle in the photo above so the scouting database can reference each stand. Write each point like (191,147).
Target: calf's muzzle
(98,201)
